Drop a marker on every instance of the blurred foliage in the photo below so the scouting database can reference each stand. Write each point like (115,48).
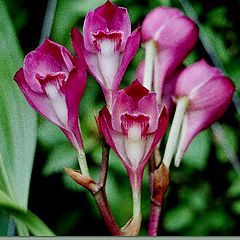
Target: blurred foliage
(204,194)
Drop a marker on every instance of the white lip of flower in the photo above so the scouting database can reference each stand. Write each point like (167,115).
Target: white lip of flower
(135,145)
(108,60)
(56,98)
(58,102)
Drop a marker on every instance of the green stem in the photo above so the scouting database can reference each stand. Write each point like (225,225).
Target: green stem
(83,162)
(81,155)
(136,199)
(182,104)
(150,53)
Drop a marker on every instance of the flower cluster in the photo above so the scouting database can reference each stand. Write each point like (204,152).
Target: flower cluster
(135,118)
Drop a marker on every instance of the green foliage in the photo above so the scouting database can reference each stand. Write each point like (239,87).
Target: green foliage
(17,124)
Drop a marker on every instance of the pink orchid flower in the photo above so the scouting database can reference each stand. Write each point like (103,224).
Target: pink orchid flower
(108,45)
(174,36)
(53,83)
(134,128)
(209,93)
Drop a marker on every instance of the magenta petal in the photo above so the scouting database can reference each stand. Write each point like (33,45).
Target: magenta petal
(216,92)
(169,90)
(122,104)
(148,106)
(75,88)
(91,59)
(36,62)
(77,42)
(140,71)
(113,138)
(156,19)
(38,101)
(129,52)
(193,76)
(196,121)
(157,136)
(108,18)
(136,91)
(48,58)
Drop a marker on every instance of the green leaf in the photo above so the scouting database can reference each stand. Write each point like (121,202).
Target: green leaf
(33,223)
(17,120)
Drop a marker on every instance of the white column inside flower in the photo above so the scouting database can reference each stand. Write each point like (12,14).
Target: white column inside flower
(58,102)
(108,60)
(134,145)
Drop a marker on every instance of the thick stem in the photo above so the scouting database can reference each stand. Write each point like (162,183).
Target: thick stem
(182,104)
(102,203)
(150,52)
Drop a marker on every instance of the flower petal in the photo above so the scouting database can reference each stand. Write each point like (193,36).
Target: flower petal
(122,104)
(113,138)
(157,19)
(136,91)
(108,17)
(148,106)
(129,52)
(75,88)
(193,76)
(38,101)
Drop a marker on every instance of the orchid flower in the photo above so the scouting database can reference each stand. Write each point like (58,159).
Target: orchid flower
(203,94)
(108,45)
(53,82)
(133,129)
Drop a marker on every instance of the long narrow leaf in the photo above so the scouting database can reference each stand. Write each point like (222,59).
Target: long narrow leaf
(17,120)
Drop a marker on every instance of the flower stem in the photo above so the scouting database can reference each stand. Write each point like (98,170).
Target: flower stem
(182,104)
(104,164)
(159,181)
(136,204)
(102,203)
(83,162)
(154,219)
(150,52)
